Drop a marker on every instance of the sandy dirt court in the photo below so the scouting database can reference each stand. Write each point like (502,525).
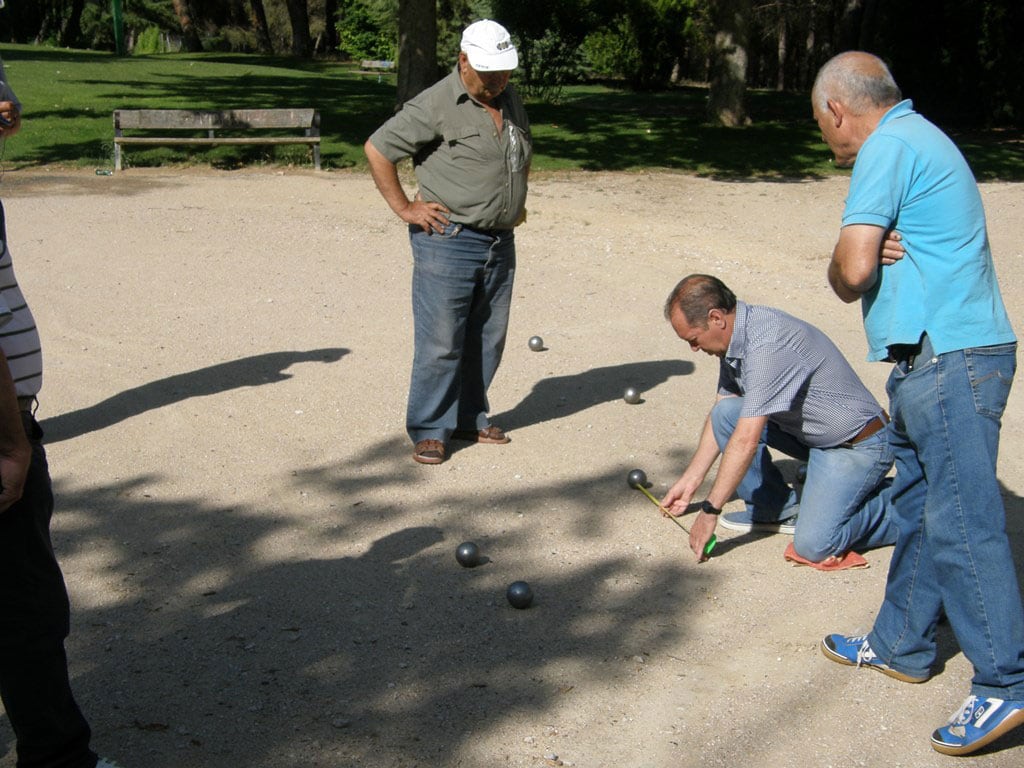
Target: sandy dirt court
(262,577)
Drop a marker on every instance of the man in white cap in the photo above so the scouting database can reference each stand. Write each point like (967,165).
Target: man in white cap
(469,140)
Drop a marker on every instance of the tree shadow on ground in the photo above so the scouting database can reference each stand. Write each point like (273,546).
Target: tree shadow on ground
(247,372)
(393,655)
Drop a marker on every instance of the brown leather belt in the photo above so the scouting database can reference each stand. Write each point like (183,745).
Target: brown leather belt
(870,428)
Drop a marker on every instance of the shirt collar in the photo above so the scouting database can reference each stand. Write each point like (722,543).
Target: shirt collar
(902,109)
(738,341)
(460,94)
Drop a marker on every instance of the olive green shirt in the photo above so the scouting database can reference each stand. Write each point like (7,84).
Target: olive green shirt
(459,157)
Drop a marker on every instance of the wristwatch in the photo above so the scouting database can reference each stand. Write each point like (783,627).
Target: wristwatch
(708,508)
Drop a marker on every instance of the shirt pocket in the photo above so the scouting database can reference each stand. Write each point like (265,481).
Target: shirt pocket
(463,142)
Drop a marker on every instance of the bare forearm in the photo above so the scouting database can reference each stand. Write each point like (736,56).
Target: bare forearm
(385,176)
(681,493)
(735,462)
(15,451)
(839,285)
(853,270)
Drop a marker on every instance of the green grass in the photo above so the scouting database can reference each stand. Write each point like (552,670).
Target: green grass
(68,98)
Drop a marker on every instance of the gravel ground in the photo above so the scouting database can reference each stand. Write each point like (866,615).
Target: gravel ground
(261,576)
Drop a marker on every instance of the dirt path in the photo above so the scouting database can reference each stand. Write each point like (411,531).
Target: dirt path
(261,576)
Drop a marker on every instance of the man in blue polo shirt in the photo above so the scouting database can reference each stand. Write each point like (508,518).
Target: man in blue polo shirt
(938,316)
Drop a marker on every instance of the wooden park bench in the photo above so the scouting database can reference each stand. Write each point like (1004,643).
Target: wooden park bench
(381,65)
(157,126)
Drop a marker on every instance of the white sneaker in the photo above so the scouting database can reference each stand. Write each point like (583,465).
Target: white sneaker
(743,521)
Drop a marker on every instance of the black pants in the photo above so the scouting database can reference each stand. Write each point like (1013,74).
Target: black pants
(34,620)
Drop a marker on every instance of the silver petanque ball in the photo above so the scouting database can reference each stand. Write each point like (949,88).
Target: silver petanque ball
(631,395)
(536,343)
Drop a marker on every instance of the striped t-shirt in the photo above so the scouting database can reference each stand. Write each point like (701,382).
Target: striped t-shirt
(791,372)
(19,338)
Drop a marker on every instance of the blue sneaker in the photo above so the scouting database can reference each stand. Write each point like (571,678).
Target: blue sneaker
(855,652)
(744,522)
(979,722)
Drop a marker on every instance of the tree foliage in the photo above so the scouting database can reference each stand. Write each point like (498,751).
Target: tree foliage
(368,29)
(960,60)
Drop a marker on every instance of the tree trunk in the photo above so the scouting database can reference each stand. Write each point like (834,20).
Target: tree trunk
(809,63)
(331,40)
(857,25)
(727,94)
(259,23)
(190,40)
(417,47)
(780,75)
(71,31)
(298,15)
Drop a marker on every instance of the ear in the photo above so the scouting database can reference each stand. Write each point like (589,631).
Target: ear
(716,317)
(837,111)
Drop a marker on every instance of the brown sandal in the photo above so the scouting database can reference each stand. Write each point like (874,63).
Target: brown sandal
(428,452)
(492,435)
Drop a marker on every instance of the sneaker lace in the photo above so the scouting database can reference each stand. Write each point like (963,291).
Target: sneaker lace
(963,717)
(864,655)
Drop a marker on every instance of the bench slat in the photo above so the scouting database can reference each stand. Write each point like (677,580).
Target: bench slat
(199,119)
(210,120)
(218,140)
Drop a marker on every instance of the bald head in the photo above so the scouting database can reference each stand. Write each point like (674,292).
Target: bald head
(858,80)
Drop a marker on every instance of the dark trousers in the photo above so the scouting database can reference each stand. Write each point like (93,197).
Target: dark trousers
(34,620)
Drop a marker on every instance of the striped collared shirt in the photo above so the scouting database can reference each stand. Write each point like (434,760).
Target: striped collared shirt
(791,372)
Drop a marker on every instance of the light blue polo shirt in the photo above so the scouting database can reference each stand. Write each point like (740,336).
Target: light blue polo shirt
(911,177)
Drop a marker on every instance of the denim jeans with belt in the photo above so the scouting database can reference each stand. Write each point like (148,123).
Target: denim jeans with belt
(461,295)
(845,498)
(951,552)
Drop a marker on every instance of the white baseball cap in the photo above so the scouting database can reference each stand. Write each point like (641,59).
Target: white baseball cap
(489,47)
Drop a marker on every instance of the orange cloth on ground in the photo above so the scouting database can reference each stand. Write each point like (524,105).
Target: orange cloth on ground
(849,560)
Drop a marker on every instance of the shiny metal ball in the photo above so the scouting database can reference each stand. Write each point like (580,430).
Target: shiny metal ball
(468,554)
(519,594)
(637,478)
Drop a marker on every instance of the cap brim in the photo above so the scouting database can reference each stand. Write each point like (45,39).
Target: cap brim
(498,62)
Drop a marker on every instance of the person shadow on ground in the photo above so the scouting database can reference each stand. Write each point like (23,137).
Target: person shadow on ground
(247,372)
(560,396)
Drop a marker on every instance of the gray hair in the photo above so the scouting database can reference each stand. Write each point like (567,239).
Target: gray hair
(859,80)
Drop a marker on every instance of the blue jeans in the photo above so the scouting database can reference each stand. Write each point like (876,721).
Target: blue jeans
(461,294)
(951,551)
(845,500)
